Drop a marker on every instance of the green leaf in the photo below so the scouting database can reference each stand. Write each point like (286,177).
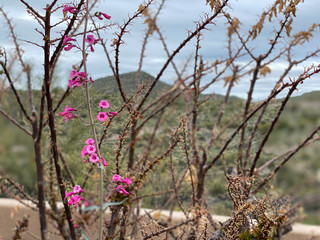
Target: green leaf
(85,235)
(107,204)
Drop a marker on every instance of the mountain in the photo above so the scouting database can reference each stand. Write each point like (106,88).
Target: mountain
(128,81)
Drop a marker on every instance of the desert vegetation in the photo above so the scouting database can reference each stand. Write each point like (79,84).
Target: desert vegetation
(131,141)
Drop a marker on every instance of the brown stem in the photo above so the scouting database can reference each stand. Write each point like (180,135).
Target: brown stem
(132,144)
(41,191)
(273,123)
(54,149)
(214,135)
(67,169)
(247,107)
(113,224)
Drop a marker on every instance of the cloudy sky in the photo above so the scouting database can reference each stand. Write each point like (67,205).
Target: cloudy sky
(175,20)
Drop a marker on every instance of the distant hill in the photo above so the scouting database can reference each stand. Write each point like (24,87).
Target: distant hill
(128,81)
(310,97)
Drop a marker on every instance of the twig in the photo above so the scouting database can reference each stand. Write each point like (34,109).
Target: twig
(191,35)
(286,159)
(168,229)
(15,122)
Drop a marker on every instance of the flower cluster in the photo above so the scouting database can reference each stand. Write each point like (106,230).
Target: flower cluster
(122,184)
(89,152)
(78,78)
(103,116)
(67,113)
(75,199)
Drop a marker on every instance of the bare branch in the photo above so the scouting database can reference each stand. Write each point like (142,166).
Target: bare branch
(15,122)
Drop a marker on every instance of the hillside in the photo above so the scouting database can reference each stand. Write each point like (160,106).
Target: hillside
(301,174)
(128,81)
(298,119)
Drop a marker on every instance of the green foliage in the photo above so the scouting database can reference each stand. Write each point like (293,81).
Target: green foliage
(17,156)
(17,151)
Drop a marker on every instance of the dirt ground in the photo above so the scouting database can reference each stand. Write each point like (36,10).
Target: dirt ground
(11,211)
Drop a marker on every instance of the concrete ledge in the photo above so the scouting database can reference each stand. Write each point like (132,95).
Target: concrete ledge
(11,210)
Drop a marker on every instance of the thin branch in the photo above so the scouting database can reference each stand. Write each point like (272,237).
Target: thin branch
(273,123)
(15,92)
(253,112)
(282,155)
(246,110)
(32,10)
(117,49)
(67,169)
(15,122)
(221,112)
(169,228)
(191,36)
(286,159)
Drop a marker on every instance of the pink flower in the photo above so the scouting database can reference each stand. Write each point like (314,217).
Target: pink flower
(69,116)
(106,15)
(90,39)
(77,78)
(116,178)
(104,162)
(94,158)
(121,189)
(91,149)
(71,83)
(98,16)
(102,116)
(67,109)
(68,9)
(89,141)
(127,181)
(68,194)
(77,189)
(67,113)
(66,40)
(75,200)
(84,151)
(82,74)
(67,48)
(112,114)
(104,104)
(74,73)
